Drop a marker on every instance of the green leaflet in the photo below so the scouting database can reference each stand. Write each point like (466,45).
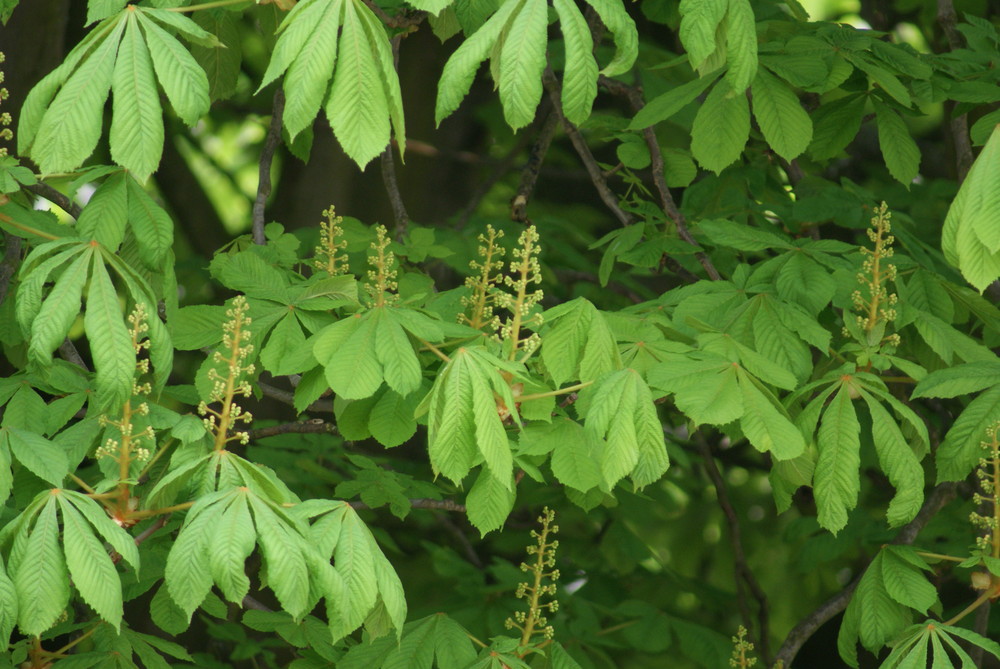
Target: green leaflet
(110,341)
(154,231)
(970,240)
(102,9)
(577,343)
(182,79)
(463,419)
(785,124)
(187,575)
(766,423)
(899,463)
(490,501)
(666,105)
(232,540)
(361,351)
(706,390)
(617,20)
(835,125)
(960,452)
(57,313)
(8,606)
(700,19)
(836,479)
(106,215)
(620,411)
(721,128)
(741,45)
(961,379)
(220,63)
(902,157)
(136,124)
(873,615)
(929,639)
(93,573)
(579,85)
(41,578)
(39,455)
(741,236)
(309,74)
(575,454)
(71,126)
(522,60)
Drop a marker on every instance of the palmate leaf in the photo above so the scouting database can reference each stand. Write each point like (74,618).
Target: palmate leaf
(514,37)
(62,128)
(577,343)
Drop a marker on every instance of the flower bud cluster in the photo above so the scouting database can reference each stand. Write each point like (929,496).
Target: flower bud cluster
(986,498)
(382,284)
(6,134)
(741,647)
(534,619)
(524,271)
(236,337)
(329,256)
(874,303)
(483,285)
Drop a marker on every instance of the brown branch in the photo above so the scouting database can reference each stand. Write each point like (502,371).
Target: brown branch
(463,540)
(9,264)
(152,529)
(401,20)
(399,214)
(939,497)
(315,426)
(288,397)
(52,195)
(252,603)
(743,572)
(532,168)
(658,170)
(502,167)
(433,504)
(580,144)
(266,157)
(69,353)
(958,126)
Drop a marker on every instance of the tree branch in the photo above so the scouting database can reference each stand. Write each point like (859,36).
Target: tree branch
(743,572)
(314,426)
(399,215)
(939,497)
(580,144)
(266,158)
(52,195)
(658,170)
(288,397)
(958,126)
(9,264)
(532,168)
(69,353)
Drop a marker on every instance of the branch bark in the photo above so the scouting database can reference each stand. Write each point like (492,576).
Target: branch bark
(266,158)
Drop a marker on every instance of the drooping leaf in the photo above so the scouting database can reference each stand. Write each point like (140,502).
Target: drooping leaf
(579,84)
(901,154)
(785,124)
(837,471)
(110,341)
(41,579)
(490,501)
(90,566)
(721,128)
(182,79)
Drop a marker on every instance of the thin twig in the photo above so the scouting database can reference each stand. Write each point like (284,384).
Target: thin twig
(316,426)
(9,264)
(743,572)
(69,353)
(401,20)
(288,397)
(463,540)
(958,126)
(939,497)
(434,504)
(152,529)
(257,605)
(399,214)
(531,169)
(580,144)
(502,168)
(658,170)
(52,195)
(266,157)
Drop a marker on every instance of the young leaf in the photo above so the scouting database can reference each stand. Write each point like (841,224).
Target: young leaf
(154,231)
(8,606)
(182,79)
(400,364)
(59,310)
(308,76)
(785,124)
(699,20)
(576,454)
(283,548)
(960,451)
(579,84)
(765,422)
(836,478)
(41,580)
(106,214)
(522,59)
(490,501)
(188,571)
(451,425)
(898,462)
(233,539)
(665,105)
(901,154)
(741,45)
(136,135)
(617,20)
(721,128)
(40,456)
(110,341)
(94,574)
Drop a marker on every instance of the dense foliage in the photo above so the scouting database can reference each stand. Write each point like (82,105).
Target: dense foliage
(698,304)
